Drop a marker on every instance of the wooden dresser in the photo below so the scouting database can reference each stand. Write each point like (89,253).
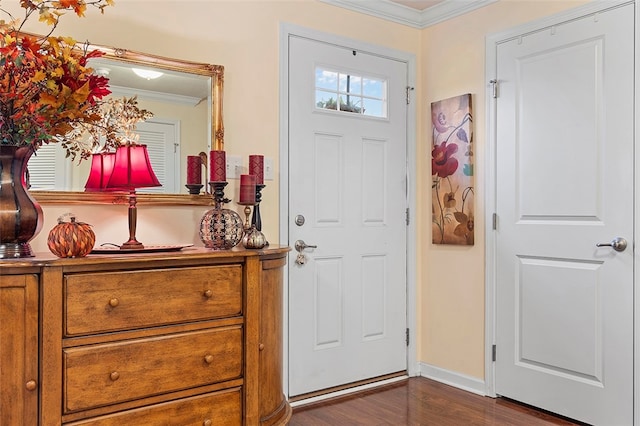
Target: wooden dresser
(183,338)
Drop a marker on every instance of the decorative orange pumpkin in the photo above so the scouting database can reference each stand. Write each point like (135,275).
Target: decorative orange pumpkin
(71,239)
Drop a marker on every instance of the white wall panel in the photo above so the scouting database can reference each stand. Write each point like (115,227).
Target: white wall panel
(374,288)
(328,169)
(373,179)
(547,153)
(555,298)
(329,293)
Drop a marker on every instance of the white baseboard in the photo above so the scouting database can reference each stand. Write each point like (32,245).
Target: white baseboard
(451,378)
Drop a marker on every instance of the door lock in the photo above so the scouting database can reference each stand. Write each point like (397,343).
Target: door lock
(300,245)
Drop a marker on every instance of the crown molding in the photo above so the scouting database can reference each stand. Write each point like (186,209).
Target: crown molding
(155,96)
(386,9)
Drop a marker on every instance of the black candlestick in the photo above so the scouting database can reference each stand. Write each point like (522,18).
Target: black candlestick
(256,220)
(217,189)
(194,189)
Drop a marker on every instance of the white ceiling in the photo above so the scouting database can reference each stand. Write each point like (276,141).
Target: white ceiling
(418,4)
(413,13)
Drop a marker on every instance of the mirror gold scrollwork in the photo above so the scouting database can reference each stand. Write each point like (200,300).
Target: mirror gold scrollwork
(114,60)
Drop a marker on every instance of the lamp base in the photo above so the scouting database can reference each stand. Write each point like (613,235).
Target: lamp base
(132,245)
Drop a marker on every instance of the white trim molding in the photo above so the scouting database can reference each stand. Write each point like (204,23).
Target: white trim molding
(155,96)
(395,12)
(452,378)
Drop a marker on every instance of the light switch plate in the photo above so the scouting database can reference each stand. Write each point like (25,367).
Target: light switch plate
(268,169)
(234,166)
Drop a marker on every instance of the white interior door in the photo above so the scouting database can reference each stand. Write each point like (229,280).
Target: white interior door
(347,172)
(564,155)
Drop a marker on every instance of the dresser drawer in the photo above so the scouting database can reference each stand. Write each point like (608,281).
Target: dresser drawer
(217,409)
(106,374)
(102,302)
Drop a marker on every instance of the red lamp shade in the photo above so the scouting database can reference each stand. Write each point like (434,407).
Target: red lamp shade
(101,168)
(132,169)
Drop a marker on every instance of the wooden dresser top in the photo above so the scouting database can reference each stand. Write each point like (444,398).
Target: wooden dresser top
(188,254)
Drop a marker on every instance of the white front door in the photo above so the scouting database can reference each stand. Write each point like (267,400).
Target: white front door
(564,184)
(347,183)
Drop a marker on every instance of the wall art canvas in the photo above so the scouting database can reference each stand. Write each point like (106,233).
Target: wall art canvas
(452,171)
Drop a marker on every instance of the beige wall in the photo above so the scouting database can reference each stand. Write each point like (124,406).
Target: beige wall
(244,37)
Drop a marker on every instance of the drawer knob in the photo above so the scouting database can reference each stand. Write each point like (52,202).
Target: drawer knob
(114,376)
(114,302)
(208,294)
(31,385)
(208,359)
(207,422)
(261,346)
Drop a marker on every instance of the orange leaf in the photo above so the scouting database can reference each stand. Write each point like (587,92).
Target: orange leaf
(39,76)
(82,93)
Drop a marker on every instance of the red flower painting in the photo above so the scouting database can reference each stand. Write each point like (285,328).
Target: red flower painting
(452,171)
(443,163)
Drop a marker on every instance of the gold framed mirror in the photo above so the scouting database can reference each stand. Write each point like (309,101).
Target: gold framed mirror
(215,127)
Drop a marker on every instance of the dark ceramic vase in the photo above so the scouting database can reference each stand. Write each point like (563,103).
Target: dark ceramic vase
(20,214)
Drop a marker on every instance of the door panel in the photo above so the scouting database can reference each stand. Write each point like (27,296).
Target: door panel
(348,179)
(564,155)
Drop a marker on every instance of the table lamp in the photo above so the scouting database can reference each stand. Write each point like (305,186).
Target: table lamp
(131,170)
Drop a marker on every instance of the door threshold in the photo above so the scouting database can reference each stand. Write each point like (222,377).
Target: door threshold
(338,391)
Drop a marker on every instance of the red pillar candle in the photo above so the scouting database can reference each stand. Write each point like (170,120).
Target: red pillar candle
(256,168)
(218,166)
(194,170)
(247,189)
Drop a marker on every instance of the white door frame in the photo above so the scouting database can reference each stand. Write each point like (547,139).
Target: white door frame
(286,30)
(490,178)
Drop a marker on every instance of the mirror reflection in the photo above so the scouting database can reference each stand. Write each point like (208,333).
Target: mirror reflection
(184,98)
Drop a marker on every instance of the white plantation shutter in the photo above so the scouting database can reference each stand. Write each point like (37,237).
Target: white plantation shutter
(163,145)
(49,169)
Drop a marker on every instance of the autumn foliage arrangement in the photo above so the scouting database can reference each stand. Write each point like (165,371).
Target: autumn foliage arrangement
(48,93)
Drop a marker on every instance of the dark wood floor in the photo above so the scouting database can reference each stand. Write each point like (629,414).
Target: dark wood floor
(420,401)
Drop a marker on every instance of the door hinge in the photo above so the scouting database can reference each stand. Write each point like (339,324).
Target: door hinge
(494,87)
(494,221)
(407,336)
(493,353)
(407,216)
(409,89)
